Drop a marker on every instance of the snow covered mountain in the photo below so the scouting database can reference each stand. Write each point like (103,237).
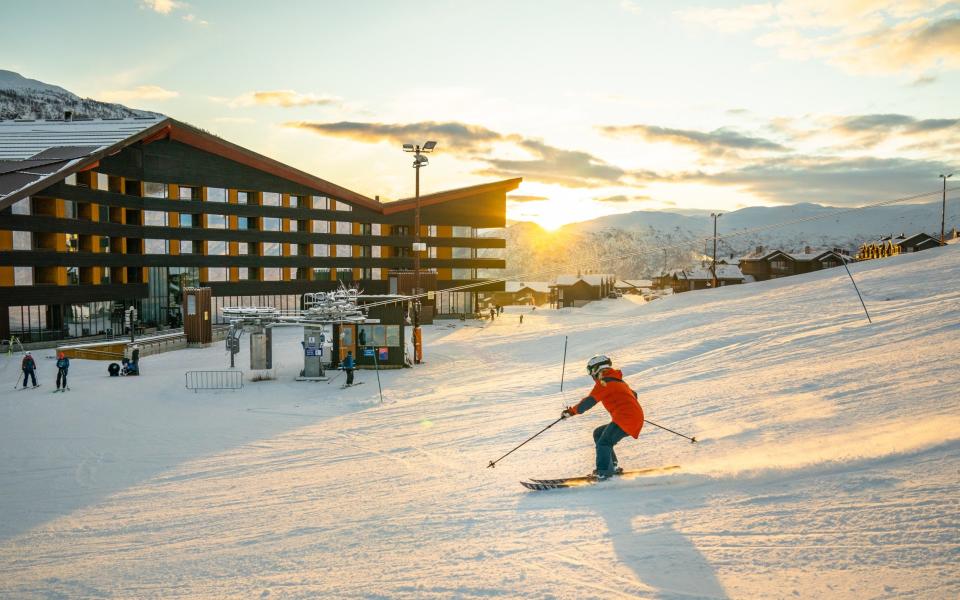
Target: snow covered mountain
(23,98)
(644,234)
(826,465)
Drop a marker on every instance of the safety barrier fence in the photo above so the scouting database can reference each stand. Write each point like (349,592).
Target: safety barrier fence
(214,380)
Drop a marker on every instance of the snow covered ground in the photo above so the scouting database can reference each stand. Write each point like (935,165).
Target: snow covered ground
(827,467)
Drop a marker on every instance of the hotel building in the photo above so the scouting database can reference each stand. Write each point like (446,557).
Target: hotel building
(99,215)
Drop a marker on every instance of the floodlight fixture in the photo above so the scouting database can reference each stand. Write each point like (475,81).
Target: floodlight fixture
(408,147)
(429,146)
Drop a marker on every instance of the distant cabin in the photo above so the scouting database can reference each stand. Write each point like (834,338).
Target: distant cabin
(892,246)
(777,263)
(578,290)
(524,293)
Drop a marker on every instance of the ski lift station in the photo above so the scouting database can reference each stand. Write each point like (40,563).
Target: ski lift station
(371,327)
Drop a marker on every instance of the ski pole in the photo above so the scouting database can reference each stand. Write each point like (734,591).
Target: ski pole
(693,440)
(493,463)
(329,381)
(564,368)
(17,384)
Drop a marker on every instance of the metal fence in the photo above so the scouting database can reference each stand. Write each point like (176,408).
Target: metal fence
(214,380)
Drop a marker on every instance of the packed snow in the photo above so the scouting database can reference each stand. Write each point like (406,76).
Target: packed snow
(827,465)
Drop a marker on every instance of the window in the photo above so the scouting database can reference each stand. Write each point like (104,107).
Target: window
(344,250)
(187,220)
(462,273)
(271,249)
(154,246)
(366,229)
(431,251)
(321,227)
(376,274)
(393,335)
(271,224)
(216,248)
(154,190)
(186,247)
(375,251)
(292,250)
(343,206)
(216,194)
(292,272)
(431,231)
(462,231)
(270,199)
(321,274)
(22,240)
(344,227)
(217,274)
(155,218)
(345,274)
(243,248)
(320,203)
(189,193)
(245,223)
(375,229)
(780,265)
(272,274)
(22,207)
(462,252)
(23,275)
(322,250)
(73,242)
(293,225)
(71,179)
(69,209)
(103,181)
(244,273)
(243,197)
(216,221)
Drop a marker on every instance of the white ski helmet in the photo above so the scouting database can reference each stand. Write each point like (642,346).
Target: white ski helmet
(597,364)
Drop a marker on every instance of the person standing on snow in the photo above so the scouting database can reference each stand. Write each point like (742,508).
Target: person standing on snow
(620,401)
(63,365)
(29,367)
(347,366)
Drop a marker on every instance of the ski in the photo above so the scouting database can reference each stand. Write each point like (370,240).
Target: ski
(584,480)
(31,387)
(343,387)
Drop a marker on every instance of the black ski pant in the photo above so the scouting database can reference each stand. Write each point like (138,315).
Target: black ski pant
(349,376)
(61,373)
(606,437)
(29,373)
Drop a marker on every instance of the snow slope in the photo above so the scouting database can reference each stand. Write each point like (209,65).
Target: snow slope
(828,466)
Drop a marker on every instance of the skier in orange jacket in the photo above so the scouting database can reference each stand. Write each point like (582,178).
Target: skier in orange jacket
(620,401)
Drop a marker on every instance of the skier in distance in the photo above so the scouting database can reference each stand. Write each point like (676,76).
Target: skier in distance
(63,365)
(620,401)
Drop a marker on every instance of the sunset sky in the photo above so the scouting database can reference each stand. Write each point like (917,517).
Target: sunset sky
(602,107)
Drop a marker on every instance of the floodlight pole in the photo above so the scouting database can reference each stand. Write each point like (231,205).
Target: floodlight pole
(943,214)
(713,268)
(418,161)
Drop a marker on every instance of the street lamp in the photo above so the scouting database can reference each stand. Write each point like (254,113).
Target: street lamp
(714,267)
(943,214)
(419,160)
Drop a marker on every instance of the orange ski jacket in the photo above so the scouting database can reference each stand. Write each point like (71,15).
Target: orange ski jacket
(619,400)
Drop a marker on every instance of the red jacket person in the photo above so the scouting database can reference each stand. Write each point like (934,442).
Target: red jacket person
(620,401)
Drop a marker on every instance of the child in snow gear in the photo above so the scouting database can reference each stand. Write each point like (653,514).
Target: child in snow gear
(620,401)
(63,365)
(29,367)
(347,365)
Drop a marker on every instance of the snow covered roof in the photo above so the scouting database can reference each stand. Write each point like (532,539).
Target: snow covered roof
(723,272)
(537,286)
(597,278)
(623,284)
(38,153)
(565,280)
(594,279)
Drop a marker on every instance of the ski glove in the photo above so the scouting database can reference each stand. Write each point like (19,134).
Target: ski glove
(567,413)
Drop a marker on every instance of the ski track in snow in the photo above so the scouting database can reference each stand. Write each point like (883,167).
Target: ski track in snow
(827,464)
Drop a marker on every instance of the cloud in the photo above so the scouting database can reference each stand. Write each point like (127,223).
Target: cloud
(621,198)
(141,92)
(864,37)
(164,7)
(192,18)
(283,98)
(569,168)
(451,136)
(520,198)
(893,122)
(924,80)
(834,181)
(716,142)
(631,7)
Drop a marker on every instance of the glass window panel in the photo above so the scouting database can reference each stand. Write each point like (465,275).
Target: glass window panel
(103,181)
(431,231)
(217,248)
(154,246)
(393,335)
(462,252)
(157,218)
(462,231)
(344,250)
(293,225)
(244,272)
(243,197)
(216,194)
(154,190)
(271,249)
(216,221)
(292,249)
(321,274)
(271,199)
(22,240)
(292,272)
(375,228)
(71,179)
(22,207)
(321,226)
(343,206)
(321,250)
(243,248)
(271,224)
(189,193)
(217,274)
(431,252)
(23,275)
(376,274)
(462,274)
(186,247)
(344,227)
(272,274)
(320,203)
